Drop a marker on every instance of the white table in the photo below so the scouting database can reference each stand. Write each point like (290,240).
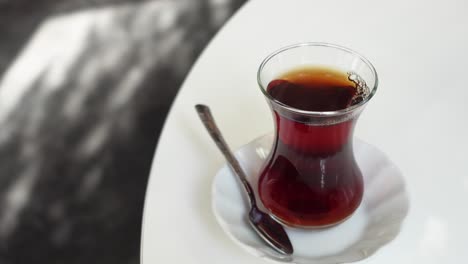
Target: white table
(419,117)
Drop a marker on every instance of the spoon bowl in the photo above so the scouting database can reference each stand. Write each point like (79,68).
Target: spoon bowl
(270,231)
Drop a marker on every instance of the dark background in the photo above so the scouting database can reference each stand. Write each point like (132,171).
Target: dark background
(75,154)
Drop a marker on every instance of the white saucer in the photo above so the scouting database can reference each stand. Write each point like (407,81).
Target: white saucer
(375,223)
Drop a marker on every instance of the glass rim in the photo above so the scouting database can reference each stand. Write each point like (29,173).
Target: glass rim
(318,113)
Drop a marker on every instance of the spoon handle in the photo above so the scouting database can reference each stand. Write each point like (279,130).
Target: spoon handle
(210,124)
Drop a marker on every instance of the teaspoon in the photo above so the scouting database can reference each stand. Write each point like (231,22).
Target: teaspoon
(264,225)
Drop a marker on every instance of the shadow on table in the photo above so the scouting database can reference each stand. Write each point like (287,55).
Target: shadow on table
(76,146)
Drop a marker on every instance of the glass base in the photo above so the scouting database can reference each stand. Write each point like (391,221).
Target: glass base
(284,223)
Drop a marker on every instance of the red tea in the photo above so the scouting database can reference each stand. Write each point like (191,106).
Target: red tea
(312,179)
